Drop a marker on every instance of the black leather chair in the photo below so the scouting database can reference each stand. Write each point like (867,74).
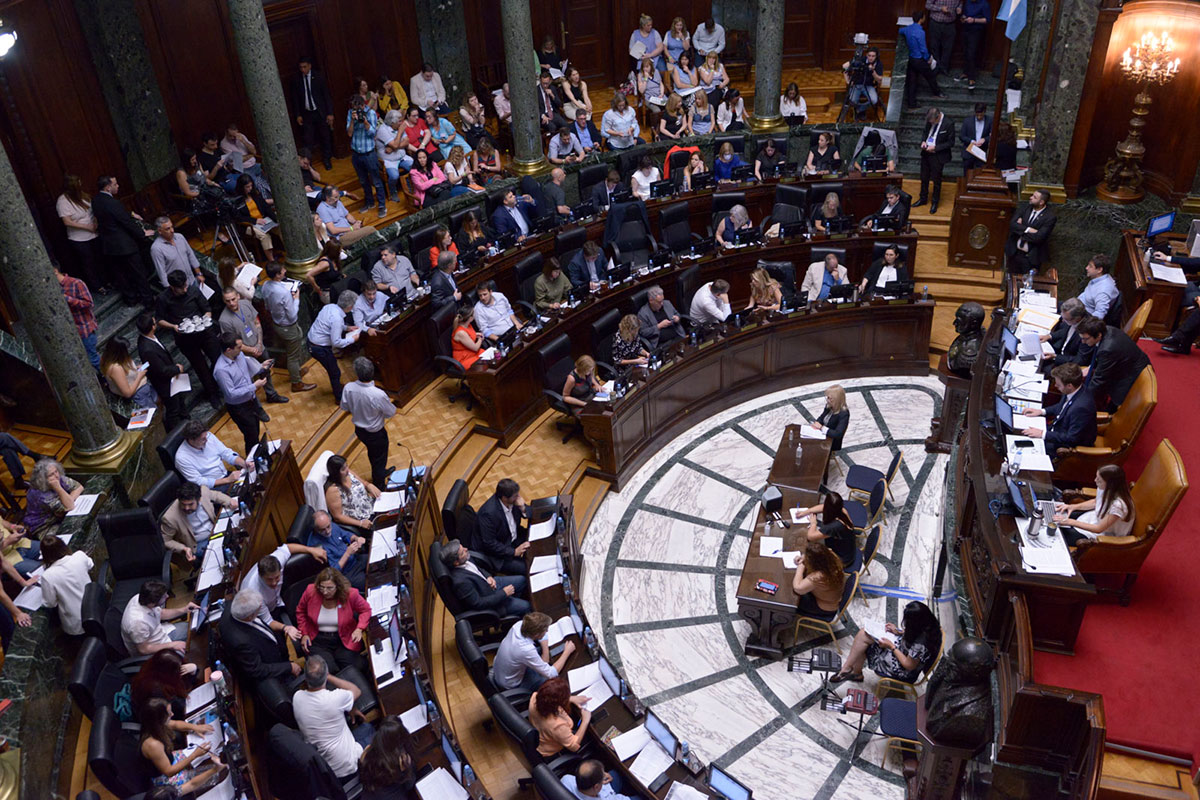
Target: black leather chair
(115,756)
(480,620)
(1116,313)
(422,238)
(422,264)
(568,241)
(135,555)
(441,328)
(677,162)
(94,679)
(160,496)
(92,610)
(635,301)
(371,255)
(878,248)
(298,573)
(517,726)
(793,195)
(781,213)
(528,269)
(167,447)
(452,506)
(785,273)
(723,201)
(302,525)
(634,244)
(781,144)
(820,251)
(815,132)
(627,163)
(686,285)
(817,192)
(736,139)
(474,656)
(602,335)
(675,226)
(548,786)
(297,771)
(458,217)
(589,176)
(555,362)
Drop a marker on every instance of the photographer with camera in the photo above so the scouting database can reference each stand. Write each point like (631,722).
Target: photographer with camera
(361,124)
(863,74)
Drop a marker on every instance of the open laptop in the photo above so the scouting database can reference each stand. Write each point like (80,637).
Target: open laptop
(660,733)
(726,786)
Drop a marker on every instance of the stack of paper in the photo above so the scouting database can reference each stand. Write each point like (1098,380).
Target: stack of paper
(798,518)
(387,501)
(201,696)
(141,418)
(1031,298)
(681,791)
(544,563)
(809,432)
(383,663)
(630,743)
(1046,555)
(30,597)
(441,785)
(560,630)
(877,631)
(1168,273)
(650,763)
(415,718)
(180,383)
(383,545)
(83,505)
(588,681)
(212,568)
(488,354)
(1032,457)
(542,530)
(382,598)
(1043,319)
(544,580)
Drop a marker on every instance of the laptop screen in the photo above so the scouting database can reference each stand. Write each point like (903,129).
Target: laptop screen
(1004,412)
(455,762)
(420,689)
(1010,342)
(1014,491)
(658,729)
(610,676)
(576,620)
(394,631)
(724,785)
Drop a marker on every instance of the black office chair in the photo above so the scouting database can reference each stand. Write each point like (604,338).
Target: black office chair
(818,253)
(634,244)
(458,217)
(517,726)
(482,621)
(296,770)
(528,269)
(548,786)
(115,756)
(423,237)
(475,658)
(298,573)
(371,255)
(677,162)
(441,328)
(686,285)
(455,502)
(785,273)
(589,176)
(781,214)
(555,362)
(792,194)
(674,223)
(92,609)
(736,139)
(94,679)
(723,201)
(135,555)
(627,163)
(878,248)
(818,191)
(164,492)
(602,338)
(568,241)
(781,144)
(167,447)
(1116,313)
(815,133)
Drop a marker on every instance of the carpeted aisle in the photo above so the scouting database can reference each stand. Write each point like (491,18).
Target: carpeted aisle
(1144,658)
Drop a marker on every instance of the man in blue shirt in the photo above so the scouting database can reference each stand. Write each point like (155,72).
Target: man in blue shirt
(340,226)
(328,332)
(918,61)
(591,781)
(236,374)
(361,124)
(1101,292)
(342,547)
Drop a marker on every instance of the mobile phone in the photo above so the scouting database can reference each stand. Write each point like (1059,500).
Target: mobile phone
(1022,443)
(767,586)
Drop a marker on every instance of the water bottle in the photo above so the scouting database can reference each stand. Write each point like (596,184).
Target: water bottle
(218,677)
(695,339)
(432,713)
(405,601)
(401,549)
(566,584)
(624,689)
(468,775)
(412,652)
(683,750)
(925,293)
(260,465)
(243,509)
(233,748)
(1029,278)
(737,320)
(589,639)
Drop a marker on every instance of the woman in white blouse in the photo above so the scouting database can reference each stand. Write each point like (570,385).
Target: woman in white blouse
(619,124)
(74,208)
(731,115)
(63,581)
(792,105)
(643,176)
(1110,513)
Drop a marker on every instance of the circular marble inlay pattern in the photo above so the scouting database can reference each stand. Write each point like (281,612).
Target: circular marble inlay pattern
(662,560)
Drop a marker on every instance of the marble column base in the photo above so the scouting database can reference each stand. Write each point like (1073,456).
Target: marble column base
(535,167)
(773,124)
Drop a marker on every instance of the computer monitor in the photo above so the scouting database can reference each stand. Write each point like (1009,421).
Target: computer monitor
(619,273)
(743,172)
(898,288)
(886,222)
(469,258)
(747,235)
(506,240)
(421,698)
(662,188)
(546,223)
(704,245)
(874,164)
(1011,343)
(840,224)
(704,180)
(610,676)
(1160,224)
(1004,412)
(576,620)
(790,230)
(395,302)
(661,259)
(725,786)
(771,170)
(1193,239)
(394,632)
(659,731)
(621,194)
(843,291)
(456,765)
(1016,490)
(584,210)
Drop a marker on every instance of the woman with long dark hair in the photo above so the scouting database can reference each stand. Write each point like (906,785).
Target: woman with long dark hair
(909,651)
(74,208)
(158,747)
(819,581)
(385,769)
(550,714)
(1109,513)
(351,500)
(829,523)
(124,376)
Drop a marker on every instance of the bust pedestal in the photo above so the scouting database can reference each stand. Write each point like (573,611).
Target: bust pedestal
(943,428)
(979,227)
(941,767)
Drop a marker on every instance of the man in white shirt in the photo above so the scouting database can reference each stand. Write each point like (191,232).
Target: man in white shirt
(142,628)
(710,305)
(708,38)
(494,315)
(266,578)
(523,659)
(425,90)
(329,332)
(321,716)
(63,582)
(503,104)
(369,307)
(370,409)
(171,253)
(393,272)
(1101,292)
(204,459)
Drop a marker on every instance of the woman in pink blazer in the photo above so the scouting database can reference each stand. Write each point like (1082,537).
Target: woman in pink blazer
(332,617)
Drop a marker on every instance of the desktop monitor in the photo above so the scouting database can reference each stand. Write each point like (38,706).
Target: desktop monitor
(661,259)
(747,235)
(620,273)
(1004,412)
(394,632)
(898,288)
(1160,224)
(704,180)
(506,240)
(395,302)
(576,620)
(546,223)
(421,698)
(468,259)
(743,172)
(843,291)
(1193,239)
(704,245)
(725,786)
(659,731)
(840,224)
(620,194)
(662,189)
(456,764)
(584,210)
(886,222)
(610,676)
(875,164)
(1011,344)
(790,230)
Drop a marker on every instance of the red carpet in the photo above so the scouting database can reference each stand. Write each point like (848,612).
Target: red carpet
(1141,655)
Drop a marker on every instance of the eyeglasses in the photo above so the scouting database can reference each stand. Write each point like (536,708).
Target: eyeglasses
(327,588)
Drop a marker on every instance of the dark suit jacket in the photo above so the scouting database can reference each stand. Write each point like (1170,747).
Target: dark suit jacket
(649,323)
(966,135)
(877,267)
(1116,364)
(600,194)
(943,141)
(502,221)
(253,655)
(1073,351)
(160,367)
(320,93)
(591,129)
(1039,247)
(492,536)
(900,211)
(474,592)
(835,425)
(577,270)
(120,234)
(440,289)
(1076,427)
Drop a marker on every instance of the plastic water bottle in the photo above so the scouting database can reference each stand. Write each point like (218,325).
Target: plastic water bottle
(468,775)
(243,509)
(683,750)
(695,338)
(401,550)
(925,293)
(1029,278)
(624,689)
(434,718)
(412,652)
(566,583)
(405,601)
(589,639)
(260,465)
(218,677)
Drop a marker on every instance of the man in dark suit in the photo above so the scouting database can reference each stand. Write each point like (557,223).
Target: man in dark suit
(160,369)
(892,214)
(658,320)
(1186,332)
(1116,363)
(1064,337)
(121,242)
(500,535)
(1029,234)
(550,104)
(1074,415)
(314,109)
(975,131)
(442,287)
(602,192)
(254,650)
(588,267)
(586,132)
(935,155)
(477,590)
(514,215)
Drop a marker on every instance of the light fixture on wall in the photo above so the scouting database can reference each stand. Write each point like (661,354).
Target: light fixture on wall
(1145,62)
(8,39)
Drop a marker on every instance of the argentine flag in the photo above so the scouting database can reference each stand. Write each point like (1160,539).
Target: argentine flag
(1012,12)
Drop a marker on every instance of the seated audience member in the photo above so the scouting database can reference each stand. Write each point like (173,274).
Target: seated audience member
(351,500)
(1101,291)
(710,305)
(332,617)
(555,195)
(21,555)
(363,91)
(499,533)
(466,343)
(329,333)
(393,273)
(459,172)
(830,209)
(547,55)
(588,267)
(256,213)
(822,159)
(308,176)
(514,215)
(425,90)
(1074,415)
(391,148)
(627,347)
(385,769)
(369,307)
(428,181)
(819,581)
(823,276)
(215,163)
(339,224)
(765,292)
(342,548)
(1064,336)
(792,106)
(833,527)
(673,123)
(564,147)
(714,80)
(619,125)
(442,286)
(731,114)
(487,162)
(142,623)
(477,590)
(1116,362)
(471,236)
(190,179)
(590,780)
(704,116)
(494,313)
(550,104)
(392,96)
(321,706)
(643,176)
(66,575)
(581,384)
(695,166)
(204,459)
(738,219)
(473,119)
(50,496)
(913,650)
(11,450)
(523,660)
(709,37)
(327,272)
(266,578)
(650,85)
(551,288)
(503,104)
(886,269)
(444,134)
(726,162)
(602,192)
(420,139)
(1109,513)
(158,747)
(550,714)
(659,320)
(585,132)
(770,160)
(1181,339)
(254,651)
(892,209)
(188,522)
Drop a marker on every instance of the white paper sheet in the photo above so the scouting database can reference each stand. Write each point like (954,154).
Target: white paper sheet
(809,432)
(415,718)
(544,563)
(597,694)
(388,501)
(180,383)
(212,567)
(1044,554)
(30,598)
(488,354)
(1029,458)
(582,677)
(1170,274)
(631,742)
(222,791)
(83,505)
(1032,298)
(681,791)
(206,291)
(201,696)
(877,631)
(141,418)
(977,152)
(383,661)
(788,557)
(541,530)
(798,518)
(769,546)
(382,598)
(224,523)
(650,763)
(544,580)
(1037,318)
(564,627)
(441,785)
(248,274)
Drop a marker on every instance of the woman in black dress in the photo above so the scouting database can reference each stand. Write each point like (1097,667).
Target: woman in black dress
(581,383)
(909,651)
(385,768)
(822,159)
(834,529)
(835,417)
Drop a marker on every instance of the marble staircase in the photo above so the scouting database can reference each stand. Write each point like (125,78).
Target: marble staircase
(958,105)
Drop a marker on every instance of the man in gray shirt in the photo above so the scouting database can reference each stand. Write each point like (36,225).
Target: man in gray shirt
(240,319)
(370,409)
(172,253)
(393,272)
(283,304)
(555,196)
(369,307)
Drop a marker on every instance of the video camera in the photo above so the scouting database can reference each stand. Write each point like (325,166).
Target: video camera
(858,71)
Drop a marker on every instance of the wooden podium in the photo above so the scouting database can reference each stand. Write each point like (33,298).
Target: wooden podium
(979,225)
(944,428)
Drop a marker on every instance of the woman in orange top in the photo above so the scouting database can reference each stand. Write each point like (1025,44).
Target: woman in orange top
(467,343)
(550,713)
(443,241)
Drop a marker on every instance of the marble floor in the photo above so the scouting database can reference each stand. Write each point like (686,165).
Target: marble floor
(662,561)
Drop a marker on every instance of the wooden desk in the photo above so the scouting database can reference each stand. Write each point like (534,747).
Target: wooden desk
(784,351)
(1138,285)
(797,471)
(275,507)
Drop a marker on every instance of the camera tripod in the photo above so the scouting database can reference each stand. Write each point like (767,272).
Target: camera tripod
(230,229)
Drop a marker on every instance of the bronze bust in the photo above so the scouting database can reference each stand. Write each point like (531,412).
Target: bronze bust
(968,323)
(959,700)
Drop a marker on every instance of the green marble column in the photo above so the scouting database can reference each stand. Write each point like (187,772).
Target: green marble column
(117,46)
(768,64)
(517,29)
(442,29)
(261,78)
(1034,40)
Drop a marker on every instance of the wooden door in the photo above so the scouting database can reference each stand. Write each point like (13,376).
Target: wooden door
(801,33)
(587,25)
